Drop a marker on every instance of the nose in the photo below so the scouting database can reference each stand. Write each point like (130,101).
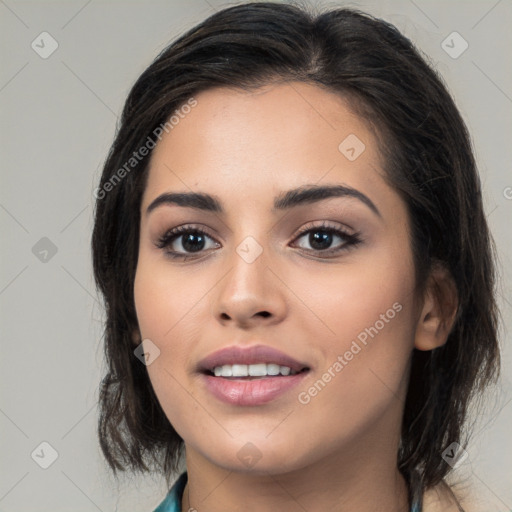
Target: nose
(250,294)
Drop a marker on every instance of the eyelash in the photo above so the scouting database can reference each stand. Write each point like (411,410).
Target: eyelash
(168,238)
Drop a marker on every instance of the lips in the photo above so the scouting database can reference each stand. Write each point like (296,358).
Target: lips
(249,355)
(250,390)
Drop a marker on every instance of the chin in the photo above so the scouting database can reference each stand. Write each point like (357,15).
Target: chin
(257,458)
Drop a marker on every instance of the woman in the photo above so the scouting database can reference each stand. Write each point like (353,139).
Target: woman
(285,241)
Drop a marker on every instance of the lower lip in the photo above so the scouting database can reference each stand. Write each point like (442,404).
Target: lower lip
(251,392)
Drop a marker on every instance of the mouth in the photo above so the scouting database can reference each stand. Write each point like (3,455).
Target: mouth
(251,375)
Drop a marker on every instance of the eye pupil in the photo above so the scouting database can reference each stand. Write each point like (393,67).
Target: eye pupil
(315,239)
(190,242)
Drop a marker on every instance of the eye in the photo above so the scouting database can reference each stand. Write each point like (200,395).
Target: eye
(321,238)
(190,239)
(183,242)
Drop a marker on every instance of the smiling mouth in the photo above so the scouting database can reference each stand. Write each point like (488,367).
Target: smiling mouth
(254,383)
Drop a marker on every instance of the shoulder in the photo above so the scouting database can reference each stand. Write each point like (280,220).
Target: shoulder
(443,498)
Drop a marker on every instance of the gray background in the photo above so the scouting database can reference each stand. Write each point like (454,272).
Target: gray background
(58,118)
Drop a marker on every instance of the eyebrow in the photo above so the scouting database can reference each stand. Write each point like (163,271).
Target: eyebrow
(306,194)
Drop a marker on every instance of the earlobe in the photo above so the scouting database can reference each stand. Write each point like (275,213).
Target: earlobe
(439,310)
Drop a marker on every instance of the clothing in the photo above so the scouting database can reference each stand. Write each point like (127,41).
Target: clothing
(172,502)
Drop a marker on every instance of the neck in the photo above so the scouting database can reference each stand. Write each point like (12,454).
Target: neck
(362,479)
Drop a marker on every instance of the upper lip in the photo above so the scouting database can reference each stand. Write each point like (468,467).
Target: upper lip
(236,354)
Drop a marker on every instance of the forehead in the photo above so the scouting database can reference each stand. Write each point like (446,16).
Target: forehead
(259,142)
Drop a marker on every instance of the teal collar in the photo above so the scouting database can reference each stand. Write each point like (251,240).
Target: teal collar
(172,502)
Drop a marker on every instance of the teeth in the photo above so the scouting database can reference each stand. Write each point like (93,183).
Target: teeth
(218,371)
(252,370)
(273,369)
(239,370)
(257,370)
(285,370)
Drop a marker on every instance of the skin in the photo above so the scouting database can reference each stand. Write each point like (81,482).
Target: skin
(337,452)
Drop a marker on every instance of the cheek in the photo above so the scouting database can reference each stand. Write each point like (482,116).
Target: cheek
(367,336)
(165,301)
(166,316)
(172,307)
(369,297)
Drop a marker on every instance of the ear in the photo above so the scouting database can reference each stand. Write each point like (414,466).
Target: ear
(439,310)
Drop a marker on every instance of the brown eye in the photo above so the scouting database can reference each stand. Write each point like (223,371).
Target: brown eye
(183,241)
(321,238)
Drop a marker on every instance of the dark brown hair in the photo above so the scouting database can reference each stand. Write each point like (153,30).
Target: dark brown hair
(428,159)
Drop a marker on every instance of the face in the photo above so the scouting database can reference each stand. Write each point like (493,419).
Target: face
(326,280)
